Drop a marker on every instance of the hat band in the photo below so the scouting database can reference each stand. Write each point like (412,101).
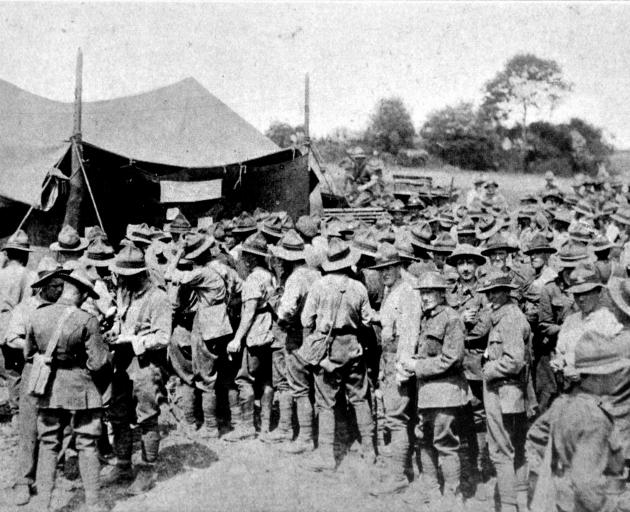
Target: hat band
(64,245)
(339,255)
(142,236)
(365,246)
(193,247)
(100,256)
(294,248)
(131,264)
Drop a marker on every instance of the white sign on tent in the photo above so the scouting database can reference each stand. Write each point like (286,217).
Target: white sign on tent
(189,191)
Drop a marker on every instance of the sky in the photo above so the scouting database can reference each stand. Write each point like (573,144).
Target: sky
(253,56)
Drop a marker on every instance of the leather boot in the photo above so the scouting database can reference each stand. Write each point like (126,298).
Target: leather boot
(46,470)
(323,459)
(123,443)
(396,480)
(304,441)
(144,481)
(284,431)
(365,425)
(244,424)
(89,468)
(210,428)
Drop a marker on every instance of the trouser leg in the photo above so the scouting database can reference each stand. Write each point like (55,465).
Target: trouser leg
(428,455)
(185,401)
(446,443)
(50,425)
(357,389)
(87,427)
(27,440)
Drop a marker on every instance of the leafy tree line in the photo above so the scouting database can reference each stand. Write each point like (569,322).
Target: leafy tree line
(497,134)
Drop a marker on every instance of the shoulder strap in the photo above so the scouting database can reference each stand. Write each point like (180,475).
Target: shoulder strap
(54,339)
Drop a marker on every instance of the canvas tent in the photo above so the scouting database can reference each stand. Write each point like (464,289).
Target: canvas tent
(176,144)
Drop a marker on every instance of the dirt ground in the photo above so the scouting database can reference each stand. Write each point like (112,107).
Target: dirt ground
(250,476)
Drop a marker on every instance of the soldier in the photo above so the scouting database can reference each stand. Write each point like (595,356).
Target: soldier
(47,288)
(336,308)
(555,304)
(299,374)
(139,339)
(203,295)
(505,382)
(254,338)
(70,337)
(472,308)
(442,391)
(400,324)
(69,245)
(15,286)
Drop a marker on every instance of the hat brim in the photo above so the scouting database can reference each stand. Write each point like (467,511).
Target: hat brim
(541,248)
(454,258)
(507,248)
(48,276)
(206,246)
(491,287)
(351,259)
(254,251)
(80,284)
(276,234)
(126,271)
(386,264)
(570,263)
(621,220)
(600,248)
(58,248)
(614,288)
(287,255)
(584,288)
(97,263)
(137,239)
(487,234)
(420,245)
(11,247)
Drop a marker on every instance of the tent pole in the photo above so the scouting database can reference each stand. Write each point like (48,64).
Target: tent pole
(307,107)
(77,182)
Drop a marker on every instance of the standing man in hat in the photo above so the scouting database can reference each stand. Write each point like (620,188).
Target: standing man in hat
(400,324)
(442,391)
(48,288)
(139,338)
(71,397)
(254,338)
(505,383)
(336,308)
(497,249)
(15,286)
(472,307)
(556,303)
(69,245)
(203,311)
(475,195)
(299,375)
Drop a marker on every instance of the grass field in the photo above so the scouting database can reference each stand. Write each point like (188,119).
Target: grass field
(512,186)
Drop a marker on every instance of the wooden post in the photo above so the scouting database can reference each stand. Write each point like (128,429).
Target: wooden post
(77,180)
(307,107)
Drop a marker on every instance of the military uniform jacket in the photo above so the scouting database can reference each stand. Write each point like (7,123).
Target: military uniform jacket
(80,351)
(292,302)
(441,381)
(553,308)
(463,298)
(504,371)
(400,320)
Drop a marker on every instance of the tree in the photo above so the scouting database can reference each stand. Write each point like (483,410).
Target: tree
(460,136)
(526,85)
(281,133)
(391,127)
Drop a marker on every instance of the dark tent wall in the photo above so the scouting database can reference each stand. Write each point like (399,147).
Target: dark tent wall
(129,192)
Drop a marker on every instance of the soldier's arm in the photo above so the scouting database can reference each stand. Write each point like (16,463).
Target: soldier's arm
(161,318)
(290,300)
(546,322)
(15,335)
(452,351)
(309,313)
(512,359)
(95,348)
(408,324)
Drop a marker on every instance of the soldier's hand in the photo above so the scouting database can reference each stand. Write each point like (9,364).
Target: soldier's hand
(234,346)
